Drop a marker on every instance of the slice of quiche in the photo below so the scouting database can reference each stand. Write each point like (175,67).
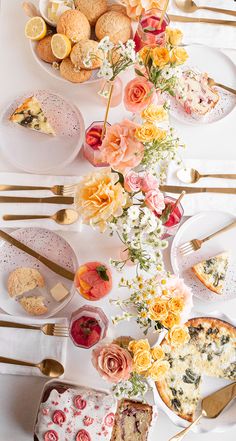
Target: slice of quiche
(30,114)
(212,272)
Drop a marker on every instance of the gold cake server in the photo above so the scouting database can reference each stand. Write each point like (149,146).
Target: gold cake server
(49,263)
(211,406)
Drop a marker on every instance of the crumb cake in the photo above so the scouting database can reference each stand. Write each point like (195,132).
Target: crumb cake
(194,94)
(212,272)
(210,351)
(132,421)
(67,413)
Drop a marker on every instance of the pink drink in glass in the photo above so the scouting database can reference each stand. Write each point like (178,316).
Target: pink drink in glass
(88,326)
(147,33)
(92,143)
(174,218)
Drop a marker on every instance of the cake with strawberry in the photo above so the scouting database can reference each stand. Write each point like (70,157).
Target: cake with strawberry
(194,94)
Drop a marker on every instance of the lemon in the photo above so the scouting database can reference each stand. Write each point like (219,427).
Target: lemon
(61,46)
(35,28)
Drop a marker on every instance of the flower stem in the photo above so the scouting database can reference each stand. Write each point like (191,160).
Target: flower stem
(107,111)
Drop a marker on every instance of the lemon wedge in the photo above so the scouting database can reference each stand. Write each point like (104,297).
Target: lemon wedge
(61,46)
(35,28)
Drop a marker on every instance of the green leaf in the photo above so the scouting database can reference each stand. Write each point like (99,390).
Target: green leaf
(138,72)
(102,272)
(121,177)
(149,29)
(166,213)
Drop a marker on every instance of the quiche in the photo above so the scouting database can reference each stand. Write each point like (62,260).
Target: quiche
(194,94)
(30,114)
(212,272)
(210,351)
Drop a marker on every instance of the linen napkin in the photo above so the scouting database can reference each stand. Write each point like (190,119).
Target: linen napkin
(203,33)
(30,345)
(34,208)
(194,203)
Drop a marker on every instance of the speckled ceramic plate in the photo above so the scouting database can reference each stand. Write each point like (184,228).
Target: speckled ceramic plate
(36,152)
(198,227)
(209,385)
(50,245)
(208,59)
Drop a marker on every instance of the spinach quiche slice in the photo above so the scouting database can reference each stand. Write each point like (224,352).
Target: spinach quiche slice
(212,272)
(30,114)
(210,351)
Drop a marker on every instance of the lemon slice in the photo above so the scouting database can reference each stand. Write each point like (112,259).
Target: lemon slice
(61,46)
(35,28)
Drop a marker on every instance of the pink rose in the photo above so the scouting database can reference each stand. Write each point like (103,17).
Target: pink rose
(149,182)
(59,417)
(79,402)
(109,420)
(83,435)
(120,149)
(154,200)
(133,182)
(51,435)
(112,362)
(138,94)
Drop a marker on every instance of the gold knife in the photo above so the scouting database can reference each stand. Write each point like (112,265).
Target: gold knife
(49,263)
(183,18)
(179,189)
(66,200)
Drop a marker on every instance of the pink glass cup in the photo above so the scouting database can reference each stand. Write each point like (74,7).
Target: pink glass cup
(92,143)
(147,33)
(172,225)
(88,326)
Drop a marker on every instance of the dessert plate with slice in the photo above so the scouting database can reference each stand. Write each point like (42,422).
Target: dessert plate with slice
(41,132)
(195,101)
(200,367)
(210,271)
(29,288)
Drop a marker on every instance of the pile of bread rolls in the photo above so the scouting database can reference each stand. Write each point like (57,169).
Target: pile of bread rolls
(88,18)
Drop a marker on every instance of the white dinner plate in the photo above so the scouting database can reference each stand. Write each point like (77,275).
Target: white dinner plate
(48,244)
(47,67)
(209,385)
(198,227)
(218,66)
(35,152)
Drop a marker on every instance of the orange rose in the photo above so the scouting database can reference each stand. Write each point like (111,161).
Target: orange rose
(158,310)
(160,56)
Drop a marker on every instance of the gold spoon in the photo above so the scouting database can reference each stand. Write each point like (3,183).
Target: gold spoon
(62,217)
(190,6)
(190,175)
(212,82)
(49,367)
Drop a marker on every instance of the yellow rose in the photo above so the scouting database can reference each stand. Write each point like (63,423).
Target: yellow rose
(144,54)
(158,310)
(99,196)
(139,345)
(174,36)
(154,113)
(176,304)
(142,361)
(158,369)
(178,55)
(171,320)
(160,56)
(178,335)
(157,353)
(147,132)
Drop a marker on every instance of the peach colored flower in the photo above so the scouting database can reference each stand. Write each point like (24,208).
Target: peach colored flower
(178,335)
(135,8)
(112,362)
(99,196)
(154,200)
(149,182)
(177,289)
(120,148)
(132,182)
(138,94)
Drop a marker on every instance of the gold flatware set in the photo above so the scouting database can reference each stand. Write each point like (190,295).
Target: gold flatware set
(50,329)
(61,217)
(190,6)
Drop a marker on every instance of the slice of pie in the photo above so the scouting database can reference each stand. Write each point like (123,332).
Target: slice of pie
(30,114)
(194,93)
(212,272)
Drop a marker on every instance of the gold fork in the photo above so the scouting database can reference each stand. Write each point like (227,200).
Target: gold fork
(212,82)
(58,190)
(195,244)
(52,329)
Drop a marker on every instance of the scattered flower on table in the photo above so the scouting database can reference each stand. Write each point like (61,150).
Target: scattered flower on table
(157,303)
